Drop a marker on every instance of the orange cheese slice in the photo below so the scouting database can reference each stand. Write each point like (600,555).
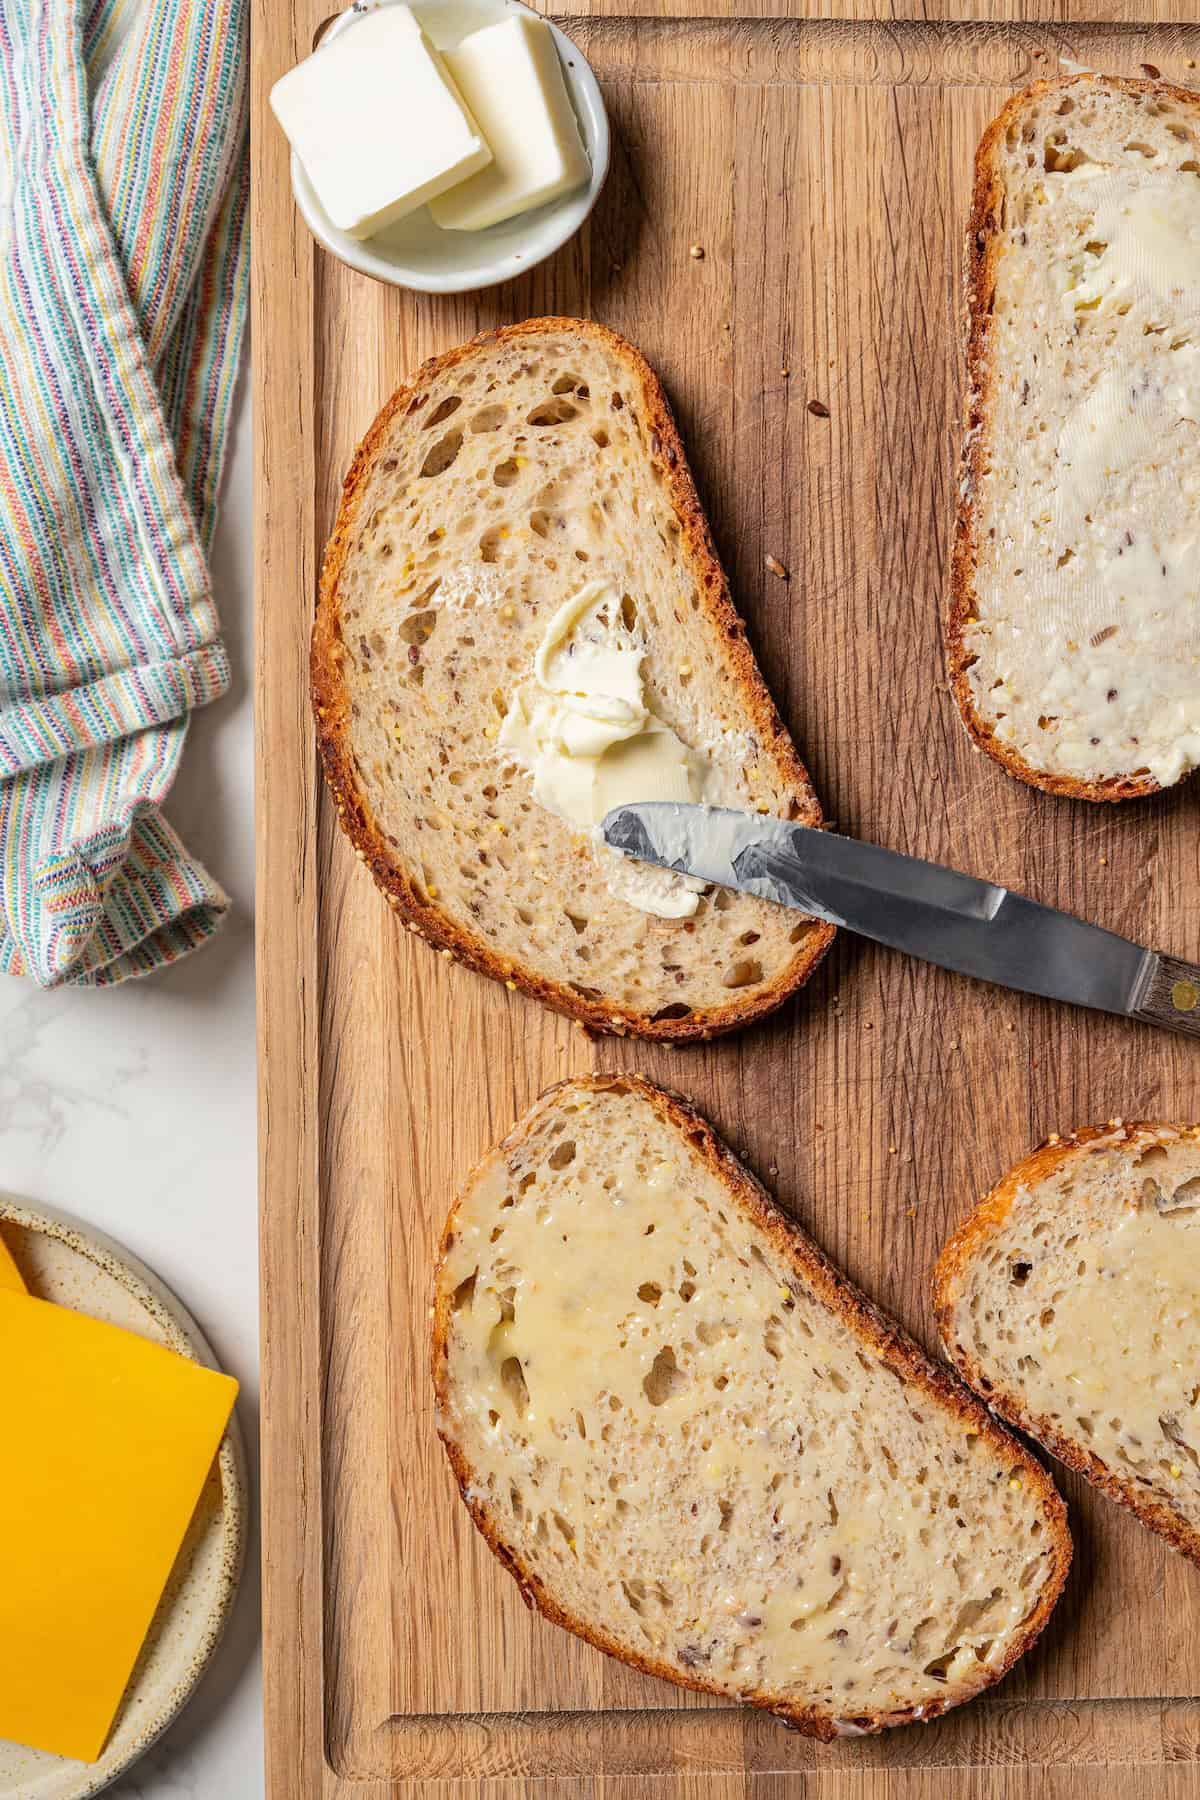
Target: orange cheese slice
(107,1442)
(10,1275)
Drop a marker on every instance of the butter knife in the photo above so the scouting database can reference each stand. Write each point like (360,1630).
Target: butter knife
(937,914)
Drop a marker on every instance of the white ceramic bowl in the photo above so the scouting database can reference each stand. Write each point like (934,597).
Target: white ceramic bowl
(416,252)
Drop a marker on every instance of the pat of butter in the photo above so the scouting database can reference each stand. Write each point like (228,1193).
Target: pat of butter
(510,77)
(108,1441)
(377,122)
(584,731)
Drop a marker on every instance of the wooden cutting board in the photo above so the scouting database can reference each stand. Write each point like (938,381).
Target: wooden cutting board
(813,355)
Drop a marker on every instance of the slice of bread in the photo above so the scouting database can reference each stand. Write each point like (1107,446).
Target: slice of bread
(693,1443)
(1070,1299)
(507,476)
(1071,638)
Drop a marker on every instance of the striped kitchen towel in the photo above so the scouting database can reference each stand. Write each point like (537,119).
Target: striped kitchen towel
(123,276)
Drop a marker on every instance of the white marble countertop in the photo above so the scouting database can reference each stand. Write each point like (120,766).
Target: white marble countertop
(134,1108)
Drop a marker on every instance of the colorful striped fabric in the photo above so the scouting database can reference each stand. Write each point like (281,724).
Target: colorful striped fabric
(124,262)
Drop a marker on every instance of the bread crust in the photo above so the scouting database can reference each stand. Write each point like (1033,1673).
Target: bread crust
(872,1326)
(332,709)
(982,260)
(952,1267)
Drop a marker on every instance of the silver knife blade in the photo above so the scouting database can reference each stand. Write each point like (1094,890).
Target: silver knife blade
(921,908)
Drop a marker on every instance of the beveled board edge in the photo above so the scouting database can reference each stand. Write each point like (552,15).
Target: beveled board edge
(568,1747)
(286,961)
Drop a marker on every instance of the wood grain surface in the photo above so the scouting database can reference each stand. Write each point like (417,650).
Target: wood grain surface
(813,356)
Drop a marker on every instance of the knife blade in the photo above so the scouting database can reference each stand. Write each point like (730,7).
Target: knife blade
(921,908)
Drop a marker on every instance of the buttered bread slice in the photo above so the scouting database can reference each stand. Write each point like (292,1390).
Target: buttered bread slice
(523,623)
(1071,1300)
(1074,629)
(693,1443)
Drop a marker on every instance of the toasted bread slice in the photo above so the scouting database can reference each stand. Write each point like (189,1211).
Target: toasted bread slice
(1070,1299)
(694,1444)
(1072,642)
(509,475)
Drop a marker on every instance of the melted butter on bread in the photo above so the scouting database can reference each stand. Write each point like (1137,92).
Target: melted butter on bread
(584,730)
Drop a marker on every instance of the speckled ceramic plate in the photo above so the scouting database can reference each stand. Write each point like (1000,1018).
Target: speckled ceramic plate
(67,1262)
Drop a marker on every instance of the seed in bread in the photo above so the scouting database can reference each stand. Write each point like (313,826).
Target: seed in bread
(1070,1299)
(1072,637)
(535,475)
(697,1446)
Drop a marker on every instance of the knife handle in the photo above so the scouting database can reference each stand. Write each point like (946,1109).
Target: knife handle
(1170,996)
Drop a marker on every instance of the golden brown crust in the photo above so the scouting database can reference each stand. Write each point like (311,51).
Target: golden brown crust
(332,706)
(953,1265)
(889,1341)
(983,252)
